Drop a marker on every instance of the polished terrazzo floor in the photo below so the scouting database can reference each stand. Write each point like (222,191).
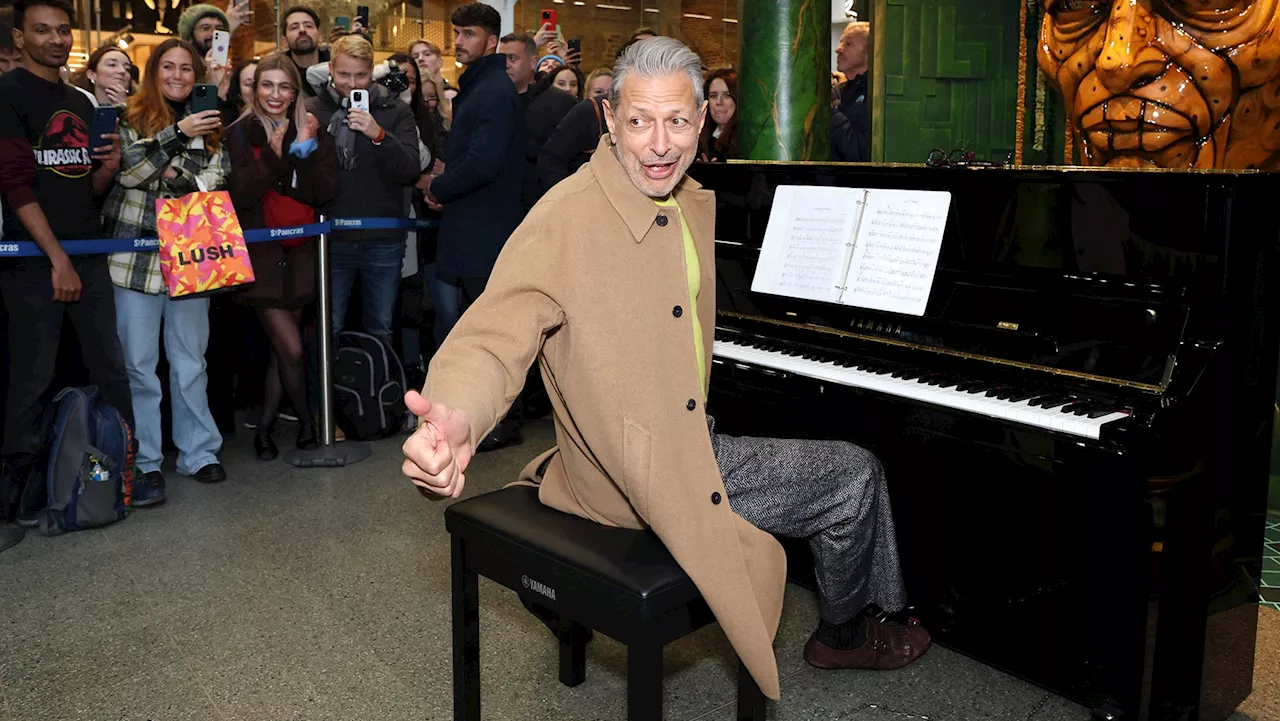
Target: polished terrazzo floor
(324,594)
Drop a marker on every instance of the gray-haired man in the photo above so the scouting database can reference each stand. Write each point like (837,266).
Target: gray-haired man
(609,284)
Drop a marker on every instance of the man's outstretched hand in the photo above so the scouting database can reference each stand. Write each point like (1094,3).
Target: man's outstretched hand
(437,454)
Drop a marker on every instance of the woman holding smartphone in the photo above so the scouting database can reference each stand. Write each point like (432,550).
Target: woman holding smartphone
(283,168)
(167,151)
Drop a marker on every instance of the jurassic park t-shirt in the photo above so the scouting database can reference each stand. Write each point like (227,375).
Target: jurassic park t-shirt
(54,118)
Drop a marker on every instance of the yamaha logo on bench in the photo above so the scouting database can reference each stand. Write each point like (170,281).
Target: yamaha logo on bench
(542,588)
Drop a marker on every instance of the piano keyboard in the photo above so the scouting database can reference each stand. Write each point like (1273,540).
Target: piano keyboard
(1043,409)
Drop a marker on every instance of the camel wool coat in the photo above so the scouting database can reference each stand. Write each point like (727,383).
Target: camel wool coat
(593,286)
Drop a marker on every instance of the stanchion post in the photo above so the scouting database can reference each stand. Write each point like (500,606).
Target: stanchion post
(329,454)
(325,334)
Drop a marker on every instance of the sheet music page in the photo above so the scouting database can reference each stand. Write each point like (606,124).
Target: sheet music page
(896,251)
(807,241)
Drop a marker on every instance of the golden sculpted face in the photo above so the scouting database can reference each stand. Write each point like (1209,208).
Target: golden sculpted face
(1168,83)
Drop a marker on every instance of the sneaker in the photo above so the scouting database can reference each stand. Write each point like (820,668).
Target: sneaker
(211,473)
(148,490)
(29,519)
(253,417)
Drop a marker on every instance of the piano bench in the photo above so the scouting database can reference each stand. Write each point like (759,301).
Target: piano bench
(620,582)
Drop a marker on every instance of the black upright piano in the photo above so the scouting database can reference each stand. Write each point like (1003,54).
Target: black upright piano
(1077,431)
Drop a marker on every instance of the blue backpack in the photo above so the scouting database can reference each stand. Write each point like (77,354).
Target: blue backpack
(89,478)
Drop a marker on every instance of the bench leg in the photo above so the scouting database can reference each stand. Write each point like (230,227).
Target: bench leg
(644,682)
(573,652)
(466,637)
(751,700)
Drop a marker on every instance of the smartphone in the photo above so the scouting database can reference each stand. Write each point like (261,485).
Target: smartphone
(549,16)
(360,99)
(574,45)
(104,122)
(342,21)
(362,14)
(204,97)
(221,46)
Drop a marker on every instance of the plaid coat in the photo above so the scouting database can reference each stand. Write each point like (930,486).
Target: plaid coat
(130,208)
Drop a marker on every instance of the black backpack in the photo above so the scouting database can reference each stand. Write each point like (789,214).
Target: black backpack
(368,387)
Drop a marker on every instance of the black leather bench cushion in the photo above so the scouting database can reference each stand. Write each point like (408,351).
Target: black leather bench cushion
(635,562)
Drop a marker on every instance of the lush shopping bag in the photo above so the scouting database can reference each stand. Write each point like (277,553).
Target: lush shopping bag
(202,246)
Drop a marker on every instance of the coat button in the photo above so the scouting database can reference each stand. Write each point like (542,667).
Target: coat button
(662,221)
(677,311)
(715,497)
(691,404)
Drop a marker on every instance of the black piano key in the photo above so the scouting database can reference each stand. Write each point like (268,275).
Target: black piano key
(905,373)
(1039,401)
(1055,403)
(1079,407)
(993,390)
(1023,394)
(949,383)
(1101,411)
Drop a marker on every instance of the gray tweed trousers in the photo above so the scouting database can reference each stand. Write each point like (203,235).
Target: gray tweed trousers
(832,493)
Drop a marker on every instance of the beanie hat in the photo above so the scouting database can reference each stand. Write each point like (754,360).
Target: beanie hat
(194,14)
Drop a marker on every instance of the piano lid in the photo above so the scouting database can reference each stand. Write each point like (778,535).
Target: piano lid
(1097,273)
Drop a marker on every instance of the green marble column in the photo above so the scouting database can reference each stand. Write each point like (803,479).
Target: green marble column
(784,79)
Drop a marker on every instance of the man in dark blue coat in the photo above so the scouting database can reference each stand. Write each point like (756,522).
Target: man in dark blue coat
(481,184)
(479,190)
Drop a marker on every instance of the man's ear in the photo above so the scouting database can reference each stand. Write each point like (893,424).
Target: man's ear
(702,115)
(18,41)
(608,118)
(491,44)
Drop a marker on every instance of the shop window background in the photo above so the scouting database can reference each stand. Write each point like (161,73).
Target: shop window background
(709,27)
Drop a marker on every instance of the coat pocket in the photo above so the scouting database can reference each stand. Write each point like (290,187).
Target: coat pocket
(637,454)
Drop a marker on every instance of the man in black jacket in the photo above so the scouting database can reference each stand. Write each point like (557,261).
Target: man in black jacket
(544,107)
(851,116)
(480,188)
(378,161)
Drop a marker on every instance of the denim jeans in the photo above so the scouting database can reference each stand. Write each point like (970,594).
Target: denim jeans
(378,266)
(186,338)
(444,296)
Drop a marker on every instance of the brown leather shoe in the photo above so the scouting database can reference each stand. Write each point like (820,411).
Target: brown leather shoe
(889,645)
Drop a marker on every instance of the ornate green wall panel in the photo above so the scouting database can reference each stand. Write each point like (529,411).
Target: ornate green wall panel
(947,77)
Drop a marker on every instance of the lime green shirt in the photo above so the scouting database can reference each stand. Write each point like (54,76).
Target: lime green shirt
(694,273)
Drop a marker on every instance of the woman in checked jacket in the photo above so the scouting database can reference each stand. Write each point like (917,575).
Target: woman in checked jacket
(166,152)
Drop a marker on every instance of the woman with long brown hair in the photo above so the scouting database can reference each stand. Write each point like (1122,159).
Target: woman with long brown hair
(283,168)
(719,139)
(166,152)
(106,76)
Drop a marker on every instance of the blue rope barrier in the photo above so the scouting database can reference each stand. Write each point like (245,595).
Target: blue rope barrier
(28,249)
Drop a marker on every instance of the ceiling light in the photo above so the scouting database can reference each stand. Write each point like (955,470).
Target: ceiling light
(651,10)
(697,17)
(730,20)
(614,7)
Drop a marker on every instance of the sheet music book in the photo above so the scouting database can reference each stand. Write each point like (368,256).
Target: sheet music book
(864,247)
